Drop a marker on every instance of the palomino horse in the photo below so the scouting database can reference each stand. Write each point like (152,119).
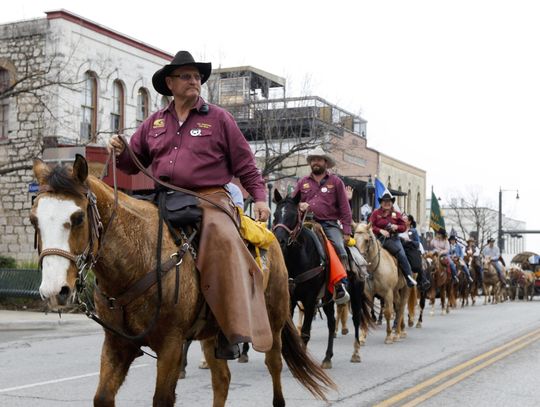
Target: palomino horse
(66,215)
(492,283)
(385,280)
(440,280)
(523,280)
(307,278)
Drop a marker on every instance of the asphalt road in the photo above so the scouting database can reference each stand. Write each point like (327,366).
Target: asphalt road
(477,356)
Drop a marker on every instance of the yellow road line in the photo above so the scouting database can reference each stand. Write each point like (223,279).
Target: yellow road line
(456,369)
(466,374)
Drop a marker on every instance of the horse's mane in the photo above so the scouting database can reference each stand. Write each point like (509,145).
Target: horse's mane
(60,180)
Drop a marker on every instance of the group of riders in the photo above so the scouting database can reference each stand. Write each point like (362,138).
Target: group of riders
(189,130)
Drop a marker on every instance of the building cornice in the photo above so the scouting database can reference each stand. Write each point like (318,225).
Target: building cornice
(90,25)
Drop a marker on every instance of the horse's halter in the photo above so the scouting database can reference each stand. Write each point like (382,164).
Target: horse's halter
(371,240)
(90,255)
(293,233)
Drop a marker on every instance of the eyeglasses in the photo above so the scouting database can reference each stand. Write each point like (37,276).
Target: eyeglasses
(187,76)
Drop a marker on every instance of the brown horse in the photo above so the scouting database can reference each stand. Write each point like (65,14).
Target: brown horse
(386,281)
(415,298)
(492,284)
(475,264)
(441,280)
(523,280)
(64,215)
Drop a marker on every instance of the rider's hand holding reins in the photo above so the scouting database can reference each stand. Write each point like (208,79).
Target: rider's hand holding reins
(303,206)
(115,144)
(262,211)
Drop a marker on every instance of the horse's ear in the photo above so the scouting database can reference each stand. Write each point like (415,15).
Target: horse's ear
(277,196)
(296,198)
(41,170)
(80,168)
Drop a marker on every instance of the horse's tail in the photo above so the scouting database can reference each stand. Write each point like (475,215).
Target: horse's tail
(302,365)
(361,304)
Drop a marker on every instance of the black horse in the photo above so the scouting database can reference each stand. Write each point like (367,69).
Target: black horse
(305,260)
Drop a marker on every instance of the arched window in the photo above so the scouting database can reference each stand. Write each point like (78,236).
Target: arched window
(164,102)
(89,107)
(117,111)
(418,206)
(409,201)
(4,104)
(142,105)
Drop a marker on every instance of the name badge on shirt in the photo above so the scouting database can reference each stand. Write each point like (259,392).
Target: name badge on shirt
(324,189)
(195,132)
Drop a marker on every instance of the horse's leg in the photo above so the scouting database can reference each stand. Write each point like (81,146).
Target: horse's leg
(484,289)
(221,376)
(168,371)
(381,309)
(450,297)
(411,306)
(183,364)
(309,313)
(342,315)
(274,364)
(405,292)
(388,311)
(116,357)
(443,298)
(244,358)
(331,323)
(357,306)
(422,305)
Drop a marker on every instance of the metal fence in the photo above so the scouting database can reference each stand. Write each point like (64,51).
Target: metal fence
(20,283)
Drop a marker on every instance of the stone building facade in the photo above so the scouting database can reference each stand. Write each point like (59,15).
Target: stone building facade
(64,80)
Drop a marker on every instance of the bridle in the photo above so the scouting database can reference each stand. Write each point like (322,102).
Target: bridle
(294,232)
(371,240)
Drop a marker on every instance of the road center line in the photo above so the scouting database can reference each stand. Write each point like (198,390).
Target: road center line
(64,379)
(456,369)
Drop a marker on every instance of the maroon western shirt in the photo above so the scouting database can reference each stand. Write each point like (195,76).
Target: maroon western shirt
(380,220)
(327,199)
(207,150)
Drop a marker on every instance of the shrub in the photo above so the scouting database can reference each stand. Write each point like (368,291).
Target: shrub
(7,262)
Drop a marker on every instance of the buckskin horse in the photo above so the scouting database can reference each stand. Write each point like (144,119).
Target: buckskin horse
(385,280)
(307,277)
(78,217)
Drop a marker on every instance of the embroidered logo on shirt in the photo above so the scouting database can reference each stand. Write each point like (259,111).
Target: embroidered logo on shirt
(305,186)
(195,132)
(159,123)
(204,125)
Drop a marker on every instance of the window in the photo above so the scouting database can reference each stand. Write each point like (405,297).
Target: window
(89,108)
(418,206)
(4,104)
(117,111)
(142,105)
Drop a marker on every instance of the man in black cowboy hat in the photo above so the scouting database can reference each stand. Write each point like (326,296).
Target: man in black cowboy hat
(195,145)
(387,223)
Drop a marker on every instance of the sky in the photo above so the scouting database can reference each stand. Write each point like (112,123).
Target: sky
(452,87)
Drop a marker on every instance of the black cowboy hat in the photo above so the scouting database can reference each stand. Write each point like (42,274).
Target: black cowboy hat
(182,58)
(452,237)
(387,196)
(491,240)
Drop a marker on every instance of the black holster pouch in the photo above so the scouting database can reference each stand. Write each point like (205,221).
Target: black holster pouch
(178,208)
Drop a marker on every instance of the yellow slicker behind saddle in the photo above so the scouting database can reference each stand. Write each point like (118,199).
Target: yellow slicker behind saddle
(258,235)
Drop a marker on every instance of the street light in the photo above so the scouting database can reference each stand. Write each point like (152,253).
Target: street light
(500,232)
(369,185)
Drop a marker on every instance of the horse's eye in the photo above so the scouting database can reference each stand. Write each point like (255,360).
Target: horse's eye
(77,219)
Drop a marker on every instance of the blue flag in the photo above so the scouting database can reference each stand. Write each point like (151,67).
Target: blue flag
(380,189)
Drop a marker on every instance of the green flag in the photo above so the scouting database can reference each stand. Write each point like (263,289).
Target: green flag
(436,220)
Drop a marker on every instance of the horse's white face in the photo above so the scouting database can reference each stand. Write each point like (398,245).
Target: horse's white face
(54,218)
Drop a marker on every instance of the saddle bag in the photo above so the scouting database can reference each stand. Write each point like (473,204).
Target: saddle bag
(181,209)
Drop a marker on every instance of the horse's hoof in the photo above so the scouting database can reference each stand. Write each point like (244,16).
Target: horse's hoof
(388,341)
(419,325)
(411,323)
(448,311)
(379,322)
(326,364)
(243,359)
(344,331)
(362,342)
(335,334)
(182,375)
(403,334)
(203,365)
(431,313)
(355,359)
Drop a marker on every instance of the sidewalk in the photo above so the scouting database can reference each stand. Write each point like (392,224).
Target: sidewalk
(31,320)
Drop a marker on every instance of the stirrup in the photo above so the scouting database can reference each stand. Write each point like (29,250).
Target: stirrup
(411,282)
